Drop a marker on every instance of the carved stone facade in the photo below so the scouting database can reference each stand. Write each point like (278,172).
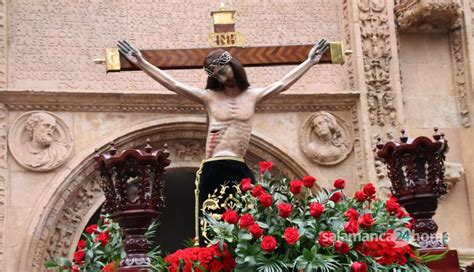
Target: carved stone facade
(444,16)
(63,220)
(40,141)
(3,179)
(324,138)
(47,66)
(427,15)
(377,53)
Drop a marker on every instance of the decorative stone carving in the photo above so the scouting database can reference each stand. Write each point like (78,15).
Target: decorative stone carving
(324,139)
(189,152)
(72,209)
(383,181)
(377,54)
(3,44)
(40,141)
(453,173)
(65,213)
(349,63)
(444,15)
(26,100)
(426,14)
(460,76)
(3,179)
(358,152)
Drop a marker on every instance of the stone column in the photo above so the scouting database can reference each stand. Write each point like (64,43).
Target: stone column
(3,181)
(377,78)
(467,134)
(3,130)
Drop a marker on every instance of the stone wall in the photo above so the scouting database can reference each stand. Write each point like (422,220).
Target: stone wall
(399,75)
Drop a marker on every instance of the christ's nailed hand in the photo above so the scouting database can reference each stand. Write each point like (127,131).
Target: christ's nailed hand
(318,50)
(129,51)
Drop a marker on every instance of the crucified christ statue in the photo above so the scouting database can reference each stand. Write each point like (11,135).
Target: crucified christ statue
(230,102)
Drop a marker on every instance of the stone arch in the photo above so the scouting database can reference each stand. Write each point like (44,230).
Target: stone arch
(73,196)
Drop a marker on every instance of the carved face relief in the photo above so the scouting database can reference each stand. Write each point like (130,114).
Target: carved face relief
(324,140)
(40,141)
(321,127)
(42,129)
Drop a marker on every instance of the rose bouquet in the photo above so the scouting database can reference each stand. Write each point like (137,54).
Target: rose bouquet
(211,258)
(279,225)
(100,249)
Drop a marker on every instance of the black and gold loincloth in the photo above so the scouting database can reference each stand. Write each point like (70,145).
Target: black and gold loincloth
(217,181)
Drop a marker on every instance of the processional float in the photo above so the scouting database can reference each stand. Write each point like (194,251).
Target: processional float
(416,170)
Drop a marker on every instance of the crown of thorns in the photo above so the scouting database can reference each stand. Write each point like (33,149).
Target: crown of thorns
(218,63)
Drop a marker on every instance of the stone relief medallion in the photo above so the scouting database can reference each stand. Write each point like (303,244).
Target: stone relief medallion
(325,139)
(40,140)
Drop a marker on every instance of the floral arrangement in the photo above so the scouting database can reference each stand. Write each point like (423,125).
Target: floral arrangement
(279,225)
(100,249)
(211,258)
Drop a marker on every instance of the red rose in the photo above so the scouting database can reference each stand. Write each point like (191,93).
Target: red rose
(228,262)
(246,184)
(351,214)
(258,190)
(265,166)
(246,220)
(75,268)
(392,205)
(268,244)
(103,238)
(92,228)
(295,186)
(291,235)
(369,190)
(81,244)
(110,267)
(351,226)
(256,231)
(401,213)
(284,209)
(366,221)
(215,265)
(316,209)
(339,183)
(360,196)
(358,267)
(230,217)
(336,197)
(308,181)
(342,247)
(79,256)
(266,199)
(326,238)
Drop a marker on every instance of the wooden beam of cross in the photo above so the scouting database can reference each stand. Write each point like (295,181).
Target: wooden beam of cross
(248,56)
(224,36)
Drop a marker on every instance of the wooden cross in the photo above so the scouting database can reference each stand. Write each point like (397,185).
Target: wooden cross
(224,32)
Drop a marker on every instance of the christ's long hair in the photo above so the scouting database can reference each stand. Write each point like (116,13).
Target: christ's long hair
(237,67)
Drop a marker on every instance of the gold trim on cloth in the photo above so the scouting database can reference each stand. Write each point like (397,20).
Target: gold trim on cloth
(214,198)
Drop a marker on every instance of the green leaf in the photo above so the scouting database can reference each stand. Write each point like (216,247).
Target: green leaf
(245,236)
(426,258)
(51,264)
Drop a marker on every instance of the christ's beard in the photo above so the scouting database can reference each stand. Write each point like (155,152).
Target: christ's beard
(45,139)
(230,83)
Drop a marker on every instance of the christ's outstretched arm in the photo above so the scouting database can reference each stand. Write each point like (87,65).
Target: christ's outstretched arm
(135,57)
(289,79)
